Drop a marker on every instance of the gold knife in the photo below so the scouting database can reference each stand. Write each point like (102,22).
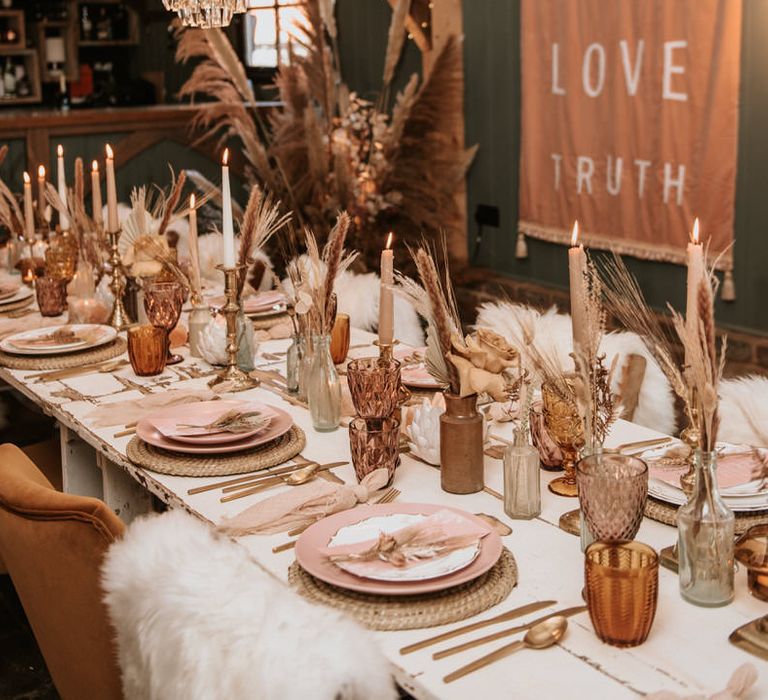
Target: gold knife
(271,477)
(504,617)
(506,633)
(275,481)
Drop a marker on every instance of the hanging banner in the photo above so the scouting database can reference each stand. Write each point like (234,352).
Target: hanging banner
(630,123)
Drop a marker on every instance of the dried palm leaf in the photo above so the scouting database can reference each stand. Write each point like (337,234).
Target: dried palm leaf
(396,39)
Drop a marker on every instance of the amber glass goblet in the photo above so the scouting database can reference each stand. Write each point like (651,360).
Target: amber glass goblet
(621,589)
(566,428)
(51,295)
(374,384)
(751,549)
(163,302)
(374,443)
(340,339)
(147,349)
(612,492)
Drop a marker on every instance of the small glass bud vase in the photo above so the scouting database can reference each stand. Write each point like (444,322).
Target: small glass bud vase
(246,342)
(293,360)
(305,367)
(323,387)
(522,486)
(705,527)
(199,318)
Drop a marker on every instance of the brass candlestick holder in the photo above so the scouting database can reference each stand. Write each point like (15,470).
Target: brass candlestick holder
(233,376)
(386,350)
(119,318)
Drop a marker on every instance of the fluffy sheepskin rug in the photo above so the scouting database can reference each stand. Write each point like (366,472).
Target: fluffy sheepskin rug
(196,618)
(744,411)
(656,404)
(358,297)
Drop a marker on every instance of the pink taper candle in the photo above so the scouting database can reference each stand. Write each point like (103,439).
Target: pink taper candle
(386,302)
(696,273)
(96,202)
(29,211)
(113,223)
(577,269)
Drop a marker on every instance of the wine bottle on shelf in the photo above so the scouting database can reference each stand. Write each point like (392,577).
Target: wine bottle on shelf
(86,24)
(9,78)
(62,98)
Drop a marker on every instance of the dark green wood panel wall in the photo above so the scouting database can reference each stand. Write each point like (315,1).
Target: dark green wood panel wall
(492,110)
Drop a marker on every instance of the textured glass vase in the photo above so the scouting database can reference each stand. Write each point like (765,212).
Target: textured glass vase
(323,387)
(293,360)
(199,318)
(705,527)
(246,339)
(522,487)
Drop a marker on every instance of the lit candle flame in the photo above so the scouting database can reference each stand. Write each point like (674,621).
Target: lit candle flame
(575,234)
(192,201)
(110,152)
(225,157)
(95,166)
(695,234)
(41,172)
(60,150)
(389,241)
(26,178)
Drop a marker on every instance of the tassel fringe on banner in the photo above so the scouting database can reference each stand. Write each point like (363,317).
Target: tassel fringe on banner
(521,249)
(728,290)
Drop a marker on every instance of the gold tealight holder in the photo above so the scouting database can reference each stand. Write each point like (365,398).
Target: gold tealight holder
(119,318)
(234,378)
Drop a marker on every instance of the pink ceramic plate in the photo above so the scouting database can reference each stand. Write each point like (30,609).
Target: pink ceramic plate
(280,425)
(264,301)
(416,376)
(319,535)
(201,413)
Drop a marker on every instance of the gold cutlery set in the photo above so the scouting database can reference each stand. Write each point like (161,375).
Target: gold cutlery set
(541,633)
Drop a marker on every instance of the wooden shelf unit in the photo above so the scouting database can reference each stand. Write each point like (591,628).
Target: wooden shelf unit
(33,72)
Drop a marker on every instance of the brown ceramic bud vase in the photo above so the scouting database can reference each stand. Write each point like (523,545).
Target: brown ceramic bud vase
(461,445)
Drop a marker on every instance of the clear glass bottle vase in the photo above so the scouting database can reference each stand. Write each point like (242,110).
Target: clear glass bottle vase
(323,387)
(246,338)
(705,527)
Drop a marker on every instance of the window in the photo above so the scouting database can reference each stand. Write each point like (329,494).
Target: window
(270,27)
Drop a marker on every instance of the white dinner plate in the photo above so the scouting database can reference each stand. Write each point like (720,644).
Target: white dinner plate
(91,335)
(370,528)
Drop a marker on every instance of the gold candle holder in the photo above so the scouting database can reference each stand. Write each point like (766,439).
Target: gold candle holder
(233,376)
(386,350)
(119,318)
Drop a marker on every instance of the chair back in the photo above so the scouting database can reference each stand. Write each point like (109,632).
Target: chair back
(52,544)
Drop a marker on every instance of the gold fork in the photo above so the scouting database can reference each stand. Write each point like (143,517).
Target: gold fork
(389,496)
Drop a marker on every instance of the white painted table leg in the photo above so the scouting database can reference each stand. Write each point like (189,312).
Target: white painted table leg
(122,493)
(80,472)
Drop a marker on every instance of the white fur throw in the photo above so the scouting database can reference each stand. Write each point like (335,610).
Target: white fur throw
(744,411)
(656,405)
(198,619)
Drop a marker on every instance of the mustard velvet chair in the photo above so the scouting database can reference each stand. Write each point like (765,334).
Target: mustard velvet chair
(52,545)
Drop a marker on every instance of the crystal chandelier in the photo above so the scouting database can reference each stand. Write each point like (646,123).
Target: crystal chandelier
(206,14)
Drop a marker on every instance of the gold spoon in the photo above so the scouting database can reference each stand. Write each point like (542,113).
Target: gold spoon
(540,636)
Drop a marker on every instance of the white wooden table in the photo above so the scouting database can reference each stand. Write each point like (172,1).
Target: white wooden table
(687,651)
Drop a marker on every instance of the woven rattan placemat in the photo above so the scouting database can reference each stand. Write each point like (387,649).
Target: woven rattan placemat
(273,453)
(667,513)
(413,611)
(72,359)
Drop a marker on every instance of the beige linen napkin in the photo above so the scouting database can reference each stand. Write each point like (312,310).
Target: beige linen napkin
(743,678)
(302,505)
(133,410)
